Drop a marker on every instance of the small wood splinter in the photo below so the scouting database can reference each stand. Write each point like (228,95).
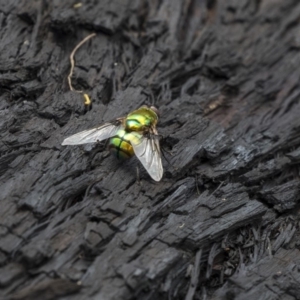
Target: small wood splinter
(87,100)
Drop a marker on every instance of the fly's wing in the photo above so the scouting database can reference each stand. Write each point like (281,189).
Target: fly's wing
(148,152)
(93,135)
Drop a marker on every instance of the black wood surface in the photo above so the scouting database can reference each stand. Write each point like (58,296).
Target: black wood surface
(223,223)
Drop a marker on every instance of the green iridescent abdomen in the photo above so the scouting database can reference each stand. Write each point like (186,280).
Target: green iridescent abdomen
(136,123)
(140,119)
(120,145)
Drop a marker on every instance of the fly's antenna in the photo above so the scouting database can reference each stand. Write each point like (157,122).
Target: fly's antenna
(86,97)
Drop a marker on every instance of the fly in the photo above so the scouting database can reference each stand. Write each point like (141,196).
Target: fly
(134,134)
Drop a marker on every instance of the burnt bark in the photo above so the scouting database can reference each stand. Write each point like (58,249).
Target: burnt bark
(223,223)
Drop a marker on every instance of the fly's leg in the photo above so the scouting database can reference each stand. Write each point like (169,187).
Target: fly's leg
(138,175)
(163,149)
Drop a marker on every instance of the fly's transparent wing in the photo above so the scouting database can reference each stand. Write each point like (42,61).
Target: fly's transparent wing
(148,152)
(93,135)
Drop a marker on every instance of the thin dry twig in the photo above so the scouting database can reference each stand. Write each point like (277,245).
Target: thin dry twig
(221,184)
(73,62)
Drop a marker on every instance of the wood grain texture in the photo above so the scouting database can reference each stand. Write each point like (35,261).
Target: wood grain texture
(223,223)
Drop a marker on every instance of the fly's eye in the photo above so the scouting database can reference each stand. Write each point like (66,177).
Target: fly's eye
(155,110)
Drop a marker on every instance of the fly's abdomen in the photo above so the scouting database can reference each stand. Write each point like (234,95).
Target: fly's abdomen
(120,144)
(120,148)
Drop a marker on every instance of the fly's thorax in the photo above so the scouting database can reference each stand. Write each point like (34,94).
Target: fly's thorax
(120,145)
(141,119)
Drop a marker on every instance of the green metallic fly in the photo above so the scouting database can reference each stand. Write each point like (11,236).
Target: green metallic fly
(134,134)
